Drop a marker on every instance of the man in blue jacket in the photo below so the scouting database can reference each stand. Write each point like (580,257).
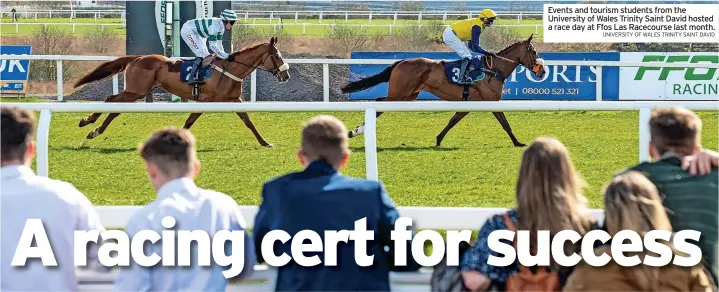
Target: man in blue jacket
(319,199)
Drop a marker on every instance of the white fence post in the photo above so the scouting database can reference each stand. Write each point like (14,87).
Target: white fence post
(370,143)
(599,83)
(59,81)
(43,138)
(644,115)
(326,82)
(115,84)
(253,86)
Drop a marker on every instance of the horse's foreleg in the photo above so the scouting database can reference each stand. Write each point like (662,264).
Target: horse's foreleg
(246,119)
(452,122)
(505,125)
(191,120)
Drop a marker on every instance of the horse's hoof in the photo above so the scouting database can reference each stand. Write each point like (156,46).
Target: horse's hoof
(91,135)
(350,134)
(83,123)
(268,145)
(520,145)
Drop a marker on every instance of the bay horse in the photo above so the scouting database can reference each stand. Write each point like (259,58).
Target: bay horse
(407,78)
(145,73)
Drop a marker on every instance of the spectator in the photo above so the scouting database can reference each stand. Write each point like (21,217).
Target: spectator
(321,198)
(14,15)
(691,200)
(61,208)
(548,198)
(172,165)
(632,203)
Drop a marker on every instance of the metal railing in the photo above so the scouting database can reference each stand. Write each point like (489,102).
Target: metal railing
(326,62)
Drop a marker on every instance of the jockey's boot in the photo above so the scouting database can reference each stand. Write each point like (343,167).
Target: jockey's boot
(194,74)
(463,78)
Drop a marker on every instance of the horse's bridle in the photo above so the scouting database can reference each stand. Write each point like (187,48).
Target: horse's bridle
(273,52)
(534,67)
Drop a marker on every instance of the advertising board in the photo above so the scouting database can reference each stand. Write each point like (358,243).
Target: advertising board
(655,83)
(560,82)
(14,73)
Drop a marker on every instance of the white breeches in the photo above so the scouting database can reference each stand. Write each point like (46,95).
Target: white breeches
(194,41)
(454,43)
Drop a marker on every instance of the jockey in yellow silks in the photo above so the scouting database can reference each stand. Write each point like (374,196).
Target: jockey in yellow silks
(468,30)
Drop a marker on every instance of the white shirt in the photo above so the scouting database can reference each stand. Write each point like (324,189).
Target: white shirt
(193,209)
(211,29)
(62,210)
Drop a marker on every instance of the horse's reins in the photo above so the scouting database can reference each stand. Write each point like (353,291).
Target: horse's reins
(252,67)
(534,67)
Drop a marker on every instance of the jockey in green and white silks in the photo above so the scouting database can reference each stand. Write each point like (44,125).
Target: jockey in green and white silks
(196,32)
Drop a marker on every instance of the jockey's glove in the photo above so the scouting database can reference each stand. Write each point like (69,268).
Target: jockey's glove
(230,57)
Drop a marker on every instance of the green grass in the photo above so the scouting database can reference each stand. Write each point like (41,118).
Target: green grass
(475,167)
(289,26)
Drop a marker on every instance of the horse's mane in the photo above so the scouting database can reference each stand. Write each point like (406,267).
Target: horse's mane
(511,46)
(244,49)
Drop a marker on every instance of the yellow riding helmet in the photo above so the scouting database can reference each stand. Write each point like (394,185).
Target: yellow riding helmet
(487,14)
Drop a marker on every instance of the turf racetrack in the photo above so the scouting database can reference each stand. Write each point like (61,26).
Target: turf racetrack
(475,167)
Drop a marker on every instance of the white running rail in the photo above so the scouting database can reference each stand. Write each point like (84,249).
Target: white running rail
(370,15)
(326,62)
(74,25)
(370,109)
(391,28)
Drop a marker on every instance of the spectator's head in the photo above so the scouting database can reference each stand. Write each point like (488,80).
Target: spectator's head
(324,138)
(18,128)
(676,130)
(549,191)
(170,154)
(632,203)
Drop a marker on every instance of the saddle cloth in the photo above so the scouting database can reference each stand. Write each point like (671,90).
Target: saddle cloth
(476,64)
(186,68)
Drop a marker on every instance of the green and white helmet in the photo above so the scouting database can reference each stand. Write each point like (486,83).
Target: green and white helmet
(228,15)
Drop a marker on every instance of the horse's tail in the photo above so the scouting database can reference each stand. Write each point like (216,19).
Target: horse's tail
(106,69)
(371,81)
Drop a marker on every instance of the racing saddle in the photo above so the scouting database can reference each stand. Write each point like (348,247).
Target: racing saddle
(475,70)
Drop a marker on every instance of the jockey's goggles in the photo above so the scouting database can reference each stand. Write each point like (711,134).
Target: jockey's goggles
(490,20)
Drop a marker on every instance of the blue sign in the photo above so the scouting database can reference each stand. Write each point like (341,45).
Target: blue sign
(559,82)
(14,73)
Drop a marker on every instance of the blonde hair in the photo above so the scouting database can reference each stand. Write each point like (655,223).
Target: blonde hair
(632,202)
(549,193)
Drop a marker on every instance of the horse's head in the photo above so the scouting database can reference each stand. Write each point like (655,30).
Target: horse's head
(531,60)
(275,64)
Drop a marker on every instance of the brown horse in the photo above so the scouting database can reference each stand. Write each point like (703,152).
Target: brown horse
(407,78)
(145,73)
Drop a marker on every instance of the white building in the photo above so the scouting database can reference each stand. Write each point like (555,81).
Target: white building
(85,3)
